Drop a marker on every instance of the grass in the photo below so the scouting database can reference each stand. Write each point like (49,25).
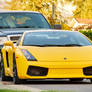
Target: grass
(7,90)
(55,91)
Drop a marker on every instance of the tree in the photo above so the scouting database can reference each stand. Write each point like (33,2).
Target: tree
(84,9)
(63,8)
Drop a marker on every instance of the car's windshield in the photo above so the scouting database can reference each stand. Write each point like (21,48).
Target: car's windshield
(55,38)
(23,20)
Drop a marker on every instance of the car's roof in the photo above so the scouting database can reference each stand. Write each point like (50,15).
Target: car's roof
(48,30)
(18,11)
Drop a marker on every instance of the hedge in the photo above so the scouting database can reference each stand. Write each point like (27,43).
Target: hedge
(88,33)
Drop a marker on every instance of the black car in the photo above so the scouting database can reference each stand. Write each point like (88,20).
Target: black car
(14,23)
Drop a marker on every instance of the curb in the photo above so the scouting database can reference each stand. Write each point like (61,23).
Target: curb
(19,87)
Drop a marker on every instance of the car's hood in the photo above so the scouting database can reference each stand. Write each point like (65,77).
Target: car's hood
(5,32)
(14,31)
(82,53)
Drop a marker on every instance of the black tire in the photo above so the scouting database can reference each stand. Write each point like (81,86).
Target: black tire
(3,77)
(16,79)
(91,81)
(76,79)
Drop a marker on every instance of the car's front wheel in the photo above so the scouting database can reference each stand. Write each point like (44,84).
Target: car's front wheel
(91,80)
(3,76)
(16,79)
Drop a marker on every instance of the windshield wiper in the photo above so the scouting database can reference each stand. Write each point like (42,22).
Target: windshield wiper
(48,45)
(25,27)
(72,45)
(52,45)
(43,45)
(2,27)
(32,45)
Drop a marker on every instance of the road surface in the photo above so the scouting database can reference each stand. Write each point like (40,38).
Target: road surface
(59,86)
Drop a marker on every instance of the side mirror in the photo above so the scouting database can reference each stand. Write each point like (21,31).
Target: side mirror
(57,26)
(9,43)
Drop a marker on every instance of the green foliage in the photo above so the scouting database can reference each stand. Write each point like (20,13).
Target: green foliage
(88,33)
(56,91)
(7,90)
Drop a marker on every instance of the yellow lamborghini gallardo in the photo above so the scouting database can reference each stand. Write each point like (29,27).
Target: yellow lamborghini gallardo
(47,54)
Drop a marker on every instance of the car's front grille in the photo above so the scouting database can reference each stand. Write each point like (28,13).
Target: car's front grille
(37,71)
(87,71)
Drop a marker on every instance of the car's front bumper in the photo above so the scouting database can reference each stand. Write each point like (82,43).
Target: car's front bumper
(54,70)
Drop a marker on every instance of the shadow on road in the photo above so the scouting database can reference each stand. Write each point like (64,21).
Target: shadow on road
(53,82)
(47,82)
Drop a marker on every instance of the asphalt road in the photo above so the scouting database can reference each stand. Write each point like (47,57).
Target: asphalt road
(55,85)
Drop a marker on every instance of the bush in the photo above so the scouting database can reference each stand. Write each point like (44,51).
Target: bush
(88,33)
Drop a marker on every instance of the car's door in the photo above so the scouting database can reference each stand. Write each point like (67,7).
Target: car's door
(7,54)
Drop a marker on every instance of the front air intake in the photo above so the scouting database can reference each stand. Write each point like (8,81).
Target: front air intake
(87,71)
(37,71)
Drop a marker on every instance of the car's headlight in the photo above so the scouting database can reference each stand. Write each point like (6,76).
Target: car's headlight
(2,40)
(28,55)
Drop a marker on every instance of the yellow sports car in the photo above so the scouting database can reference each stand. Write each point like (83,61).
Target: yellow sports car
(47,54)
